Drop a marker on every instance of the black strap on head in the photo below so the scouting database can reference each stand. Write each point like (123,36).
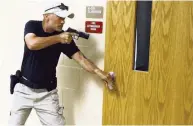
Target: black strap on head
(61,6)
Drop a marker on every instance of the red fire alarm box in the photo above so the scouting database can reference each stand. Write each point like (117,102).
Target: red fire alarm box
(93,26)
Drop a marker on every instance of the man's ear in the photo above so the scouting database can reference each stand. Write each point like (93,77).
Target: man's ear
(45,15)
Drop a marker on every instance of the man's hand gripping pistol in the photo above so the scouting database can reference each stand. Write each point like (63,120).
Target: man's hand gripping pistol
(76,34)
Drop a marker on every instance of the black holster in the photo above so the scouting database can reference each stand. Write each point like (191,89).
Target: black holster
(14,79)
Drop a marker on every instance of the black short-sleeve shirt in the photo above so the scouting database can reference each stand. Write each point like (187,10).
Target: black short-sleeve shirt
(39,66)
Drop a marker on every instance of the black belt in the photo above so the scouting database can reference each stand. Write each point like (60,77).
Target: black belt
(49,85)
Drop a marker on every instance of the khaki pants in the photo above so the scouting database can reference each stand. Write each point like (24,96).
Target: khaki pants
(45,103)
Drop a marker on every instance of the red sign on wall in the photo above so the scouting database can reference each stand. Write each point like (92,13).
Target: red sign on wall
(93,26)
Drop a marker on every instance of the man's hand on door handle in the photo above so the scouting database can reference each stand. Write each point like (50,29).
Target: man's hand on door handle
(110,81)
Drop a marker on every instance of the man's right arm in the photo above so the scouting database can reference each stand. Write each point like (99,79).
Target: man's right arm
(34,42)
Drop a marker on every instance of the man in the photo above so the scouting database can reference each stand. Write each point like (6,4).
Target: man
(44,41)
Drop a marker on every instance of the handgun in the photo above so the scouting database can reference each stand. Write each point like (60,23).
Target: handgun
(78,34)
(14,80)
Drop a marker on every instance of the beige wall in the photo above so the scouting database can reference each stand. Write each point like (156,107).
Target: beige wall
(80,92)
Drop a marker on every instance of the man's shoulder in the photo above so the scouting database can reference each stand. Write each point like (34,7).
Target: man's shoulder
(33,22)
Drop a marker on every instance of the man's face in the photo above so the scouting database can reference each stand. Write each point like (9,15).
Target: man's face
(55,22)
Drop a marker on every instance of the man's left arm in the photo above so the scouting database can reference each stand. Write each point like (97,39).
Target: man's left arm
(91,67)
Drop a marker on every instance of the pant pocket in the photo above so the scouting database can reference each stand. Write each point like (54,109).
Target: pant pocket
(55,97)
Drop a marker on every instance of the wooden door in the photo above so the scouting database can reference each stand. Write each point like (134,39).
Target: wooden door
(164,94)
